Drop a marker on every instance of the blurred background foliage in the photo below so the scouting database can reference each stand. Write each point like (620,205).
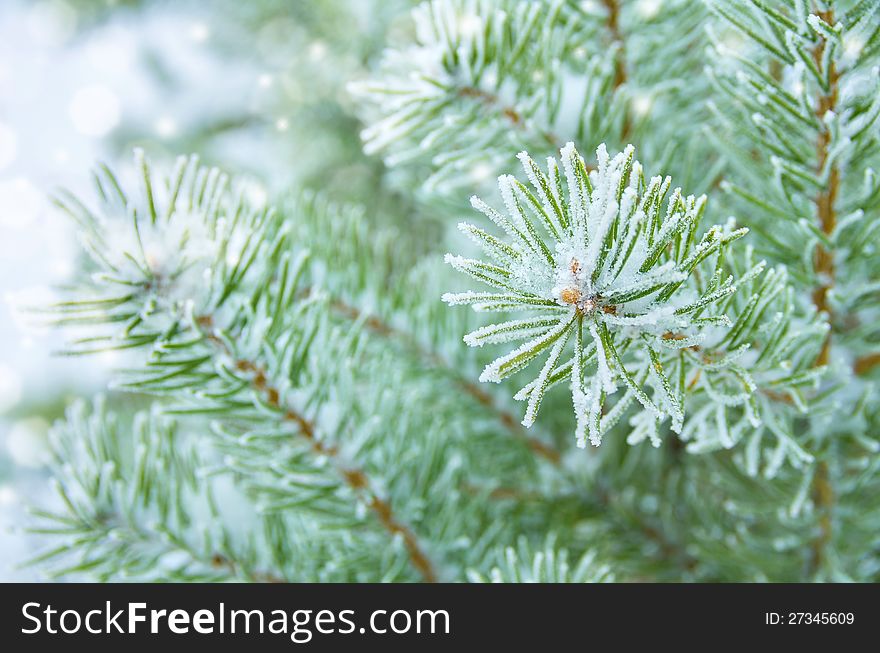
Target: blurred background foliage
(256,86)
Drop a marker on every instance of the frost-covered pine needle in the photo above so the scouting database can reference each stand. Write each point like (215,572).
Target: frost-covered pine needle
(607,260)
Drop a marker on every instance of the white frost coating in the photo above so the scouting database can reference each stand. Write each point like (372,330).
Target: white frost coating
(467,297)
(593,414)
(643,428)
(666,401)
(487,244)
(490,301)
(493,373)
(492,214)
(507,331)
(657,316)
(664,274)
(506,184)
(529,168)
(603,370)
(559,259)
(541,382)
(685,342)
(170,237)
(526,391)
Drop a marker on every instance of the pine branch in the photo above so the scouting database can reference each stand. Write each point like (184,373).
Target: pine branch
(235,346)
(313,414)
(375,324)
(127,508)
(602,267)
(479,79)
(805,96)
(492,102)
(827,197)
(394,278)
(354,477)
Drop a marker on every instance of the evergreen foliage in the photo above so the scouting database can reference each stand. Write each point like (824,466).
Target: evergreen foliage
(306,410)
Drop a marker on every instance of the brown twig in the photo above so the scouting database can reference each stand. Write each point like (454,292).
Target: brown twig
(354,477)
(614,28)
(822,490)
(823,497)
(513,116)
(620,74)
(777,396)
(219,561)
(482,397)
(865,364)
(504,493)
(827,196)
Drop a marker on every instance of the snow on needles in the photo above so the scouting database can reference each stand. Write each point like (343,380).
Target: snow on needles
(607,263)
(165,249)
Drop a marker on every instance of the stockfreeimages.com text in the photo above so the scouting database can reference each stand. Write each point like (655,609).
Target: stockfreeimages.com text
(299,625)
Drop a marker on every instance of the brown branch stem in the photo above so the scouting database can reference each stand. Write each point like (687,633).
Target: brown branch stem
(620,73)
(822,490)
(376,325)
(513,116)
(219,561)
(354,477)
(826,198)
(823,498)
(865,364)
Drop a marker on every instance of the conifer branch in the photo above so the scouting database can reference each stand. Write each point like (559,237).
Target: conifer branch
(354,477)
(199,335)
(375,324)
(593,254)
(827,197)
(128,508)
(312,414)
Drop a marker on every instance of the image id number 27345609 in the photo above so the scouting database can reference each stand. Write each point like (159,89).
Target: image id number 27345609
(808,618)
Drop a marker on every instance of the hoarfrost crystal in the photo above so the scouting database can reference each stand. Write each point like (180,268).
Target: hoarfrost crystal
(610,271)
